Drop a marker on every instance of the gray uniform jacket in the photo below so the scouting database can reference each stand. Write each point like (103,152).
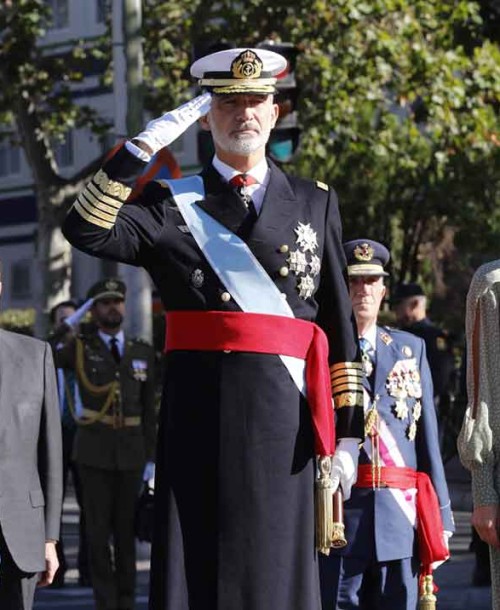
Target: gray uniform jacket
(30,449)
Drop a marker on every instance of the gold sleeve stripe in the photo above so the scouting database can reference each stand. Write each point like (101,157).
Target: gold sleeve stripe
(345,366)
(114,203)
(114,189)
(355,387)
(104,210)
(90,218)
(351,376)
(92,209)
(348,399)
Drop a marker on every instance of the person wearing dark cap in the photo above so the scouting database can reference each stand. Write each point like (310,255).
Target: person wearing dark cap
(400,498)
(115,438)
(410,306)
(260,336)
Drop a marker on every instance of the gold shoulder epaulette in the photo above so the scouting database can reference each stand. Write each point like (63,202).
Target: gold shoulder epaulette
(321,185)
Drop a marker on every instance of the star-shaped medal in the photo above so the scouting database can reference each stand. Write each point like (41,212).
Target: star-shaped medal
(297,261)
(401,409)
(306,287)
(314,265)
(411,432)
(306,237)
(417,410)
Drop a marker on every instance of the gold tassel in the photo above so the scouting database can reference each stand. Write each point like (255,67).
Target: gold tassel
(324,506)
(427,599)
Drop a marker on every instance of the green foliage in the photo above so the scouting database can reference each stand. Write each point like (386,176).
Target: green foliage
(43,75)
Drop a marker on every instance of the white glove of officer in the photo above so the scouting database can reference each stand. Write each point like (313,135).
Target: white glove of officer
(446,536)
(75,318)
(345,465)
(148,475)
(167,128)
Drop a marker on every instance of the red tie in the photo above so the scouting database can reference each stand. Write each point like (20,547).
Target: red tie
(241,180)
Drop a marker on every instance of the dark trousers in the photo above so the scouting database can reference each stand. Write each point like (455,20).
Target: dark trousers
(109,499)
(17,588)
(69,465)
(354,583)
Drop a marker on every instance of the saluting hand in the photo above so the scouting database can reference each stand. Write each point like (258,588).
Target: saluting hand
(486,520)
(51,565)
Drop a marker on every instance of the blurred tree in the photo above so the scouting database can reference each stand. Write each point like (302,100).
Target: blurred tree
(36,102)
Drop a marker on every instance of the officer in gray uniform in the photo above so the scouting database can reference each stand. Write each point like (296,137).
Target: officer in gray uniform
(114,440)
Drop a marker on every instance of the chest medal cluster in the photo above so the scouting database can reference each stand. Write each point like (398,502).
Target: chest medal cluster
(303,261)
(403,383)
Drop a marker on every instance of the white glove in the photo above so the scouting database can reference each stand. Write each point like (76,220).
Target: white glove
(148,475)
(446,536)
(345,465)
(75,318)
(164,130)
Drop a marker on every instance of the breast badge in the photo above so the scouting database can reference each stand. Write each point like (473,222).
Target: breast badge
(403,383)
(303,261)
(140,369)
(197,278)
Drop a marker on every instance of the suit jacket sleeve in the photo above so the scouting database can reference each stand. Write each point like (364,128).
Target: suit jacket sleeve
(336,318)
(428,452)
(101,222)
(50,450)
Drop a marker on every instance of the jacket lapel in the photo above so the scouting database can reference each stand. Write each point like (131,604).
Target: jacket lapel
(387,356)
(277,206)
(221,200)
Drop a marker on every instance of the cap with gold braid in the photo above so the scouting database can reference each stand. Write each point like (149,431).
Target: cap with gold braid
(239,71)
(366,257)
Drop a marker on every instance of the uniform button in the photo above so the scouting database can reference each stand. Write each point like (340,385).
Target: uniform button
(284,271)
(225,297)
(284,248)
(284,296)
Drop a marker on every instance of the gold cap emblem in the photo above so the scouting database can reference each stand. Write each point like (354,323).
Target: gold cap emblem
(363,252)
(112,285)
(247,65)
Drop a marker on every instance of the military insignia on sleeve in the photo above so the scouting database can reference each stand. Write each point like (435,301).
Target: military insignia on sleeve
(306,237)
(306,287)
(140,369)
(363,252)
(297,261)
(386,338)
(197,278)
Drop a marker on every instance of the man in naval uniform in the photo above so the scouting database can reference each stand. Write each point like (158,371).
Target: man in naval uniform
(114,440)
(379,567)
(243,266)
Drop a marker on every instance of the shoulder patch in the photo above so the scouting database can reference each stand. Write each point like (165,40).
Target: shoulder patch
(322,185)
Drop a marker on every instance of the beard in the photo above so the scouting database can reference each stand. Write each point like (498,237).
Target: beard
(112,320)
(243,144)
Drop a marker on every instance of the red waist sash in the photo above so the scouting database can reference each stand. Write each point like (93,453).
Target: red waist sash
(429,523)
(264,334)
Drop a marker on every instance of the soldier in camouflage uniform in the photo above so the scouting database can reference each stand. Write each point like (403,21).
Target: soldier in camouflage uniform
(114,440)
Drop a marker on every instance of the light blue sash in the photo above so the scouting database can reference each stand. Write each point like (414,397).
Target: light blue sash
(234,263)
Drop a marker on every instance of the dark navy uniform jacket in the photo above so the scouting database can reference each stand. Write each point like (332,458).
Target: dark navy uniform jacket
(235,468)
(377,522)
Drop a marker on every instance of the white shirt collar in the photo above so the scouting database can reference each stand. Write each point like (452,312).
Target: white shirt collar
(120,337)
(259,171)
(371,336)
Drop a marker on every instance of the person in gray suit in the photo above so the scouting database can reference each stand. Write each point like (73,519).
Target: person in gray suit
(30,469)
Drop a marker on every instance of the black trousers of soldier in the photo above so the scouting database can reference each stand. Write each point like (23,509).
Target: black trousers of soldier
(109,500)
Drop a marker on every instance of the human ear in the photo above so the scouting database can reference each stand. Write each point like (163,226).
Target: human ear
(204,122)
